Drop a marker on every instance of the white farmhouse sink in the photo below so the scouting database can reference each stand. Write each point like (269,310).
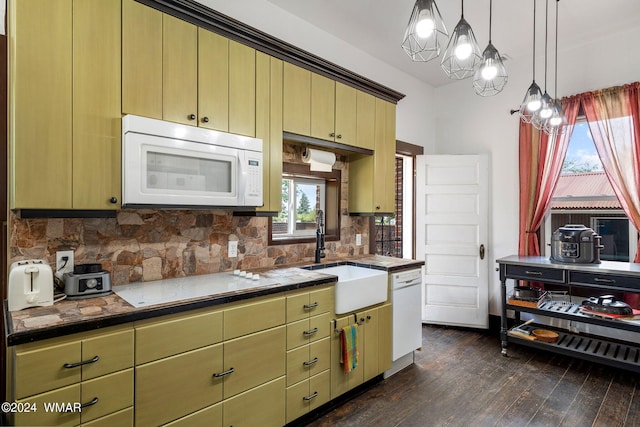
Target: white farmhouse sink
(357,287)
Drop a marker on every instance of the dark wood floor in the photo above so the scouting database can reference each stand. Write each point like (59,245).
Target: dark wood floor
(460,379)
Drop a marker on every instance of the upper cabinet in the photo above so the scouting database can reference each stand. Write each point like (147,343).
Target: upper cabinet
(372,178)
(64,104)
(319,107)
(197,77)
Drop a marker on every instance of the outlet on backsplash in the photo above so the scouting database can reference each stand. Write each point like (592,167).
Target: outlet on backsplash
(64,265)
(233,248)
(358,239)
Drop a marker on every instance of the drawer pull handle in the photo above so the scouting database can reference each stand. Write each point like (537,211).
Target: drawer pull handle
(222,374)
(599,280)
(311,331)
(310,306)
(93,402)
(310,362)
(314,395)
(534,273)
(84,362)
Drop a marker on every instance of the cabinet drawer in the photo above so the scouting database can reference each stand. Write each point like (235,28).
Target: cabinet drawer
(303,305)
(255,359)
(604,281)
(42,369)
(308,360)
(187,377)
(308,395)
(113,393)
(115,352)
(167,337)
(54,416)
(122,418)
(305,331)
(262,406)
(535,274)
(207,417)
(253,317)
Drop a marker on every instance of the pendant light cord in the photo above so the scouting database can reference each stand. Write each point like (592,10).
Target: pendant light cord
(534,40)
(462,7)
(490,13)
(546,34)
(556,64)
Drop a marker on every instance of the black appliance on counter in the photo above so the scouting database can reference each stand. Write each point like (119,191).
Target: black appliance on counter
(576,244)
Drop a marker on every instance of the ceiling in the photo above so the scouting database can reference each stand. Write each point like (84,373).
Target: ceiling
(377,26)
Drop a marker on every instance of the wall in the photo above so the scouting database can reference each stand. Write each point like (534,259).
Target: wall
(469,124)
(145,244)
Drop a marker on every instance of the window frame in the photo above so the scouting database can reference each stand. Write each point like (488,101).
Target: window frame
(332,209)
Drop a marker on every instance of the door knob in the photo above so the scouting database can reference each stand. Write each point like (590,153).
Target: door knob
(481,251)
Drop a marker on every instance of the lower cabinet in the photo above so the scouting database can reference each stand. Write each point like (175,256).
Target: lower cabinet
(373,345)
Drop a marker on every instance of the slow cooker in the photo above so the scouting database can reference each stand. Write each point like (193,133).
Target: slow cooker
(576,244)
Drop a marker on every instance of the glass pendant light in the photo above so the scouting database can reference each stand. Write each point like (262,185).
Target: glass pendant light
(543,114)
(491,76)
(462,55)
(425,32)
(556,123)
(533,98)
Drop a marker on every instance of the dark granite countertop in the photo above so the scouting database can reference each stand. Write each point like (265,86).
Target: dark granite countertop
(73,316)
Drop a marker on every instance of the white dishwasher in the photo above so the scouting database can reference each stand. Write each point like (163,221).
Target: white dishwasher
(406,296)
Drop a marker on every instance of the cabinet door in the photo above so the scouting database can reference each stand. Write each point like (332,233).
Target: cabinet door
(345,115)
(255,359)
(115,352)
(42,368)
(269,128)
(96,104)
(385,164)
(187,377)
(141,60)
(242,89)
(342,381)
(40,114)
(323,102)
(385,338)
(365,120)
(371,343)
(110,393)
(122,418)
(179,71)
(213,81)
(262,406)
(56,416)
(319,390)
(297,100)
(207,417)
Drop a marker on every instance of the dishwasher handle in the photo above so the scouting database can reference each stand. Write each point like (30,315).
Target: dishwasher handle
(407,283)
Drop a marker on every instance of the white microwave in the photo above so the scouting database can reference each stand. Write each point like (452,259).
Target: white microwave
(171,165)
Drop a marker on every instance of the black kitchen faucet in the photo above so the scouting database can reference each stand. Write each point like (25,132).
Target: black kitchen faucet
(320,237)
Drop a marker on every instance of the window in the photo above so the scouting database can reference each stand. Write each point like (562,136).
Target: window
(301,200)
(303,194)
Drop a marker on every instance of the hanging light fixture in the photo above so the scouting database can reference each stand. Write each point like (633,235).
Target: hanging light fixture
(543,114)
(425,32)
(532,99)
(462,54)
(491,76)
(557,121)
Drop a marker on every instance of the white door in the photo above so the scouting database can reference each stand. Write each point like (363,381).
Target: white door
(451,237)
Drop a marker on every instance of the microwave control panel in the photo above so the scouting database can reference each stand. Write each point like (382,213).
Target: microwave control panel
(253,183)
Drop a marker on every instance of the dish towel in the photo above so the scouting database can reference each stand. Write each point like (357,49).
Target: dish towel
(349,347)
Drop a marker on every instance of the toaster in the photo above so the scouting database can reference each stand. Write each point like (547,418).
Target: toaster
(30,284)
(86,281)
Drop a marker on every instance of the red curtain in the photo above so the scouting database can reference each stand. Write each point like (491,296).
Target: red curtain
(613,116)
(540,161)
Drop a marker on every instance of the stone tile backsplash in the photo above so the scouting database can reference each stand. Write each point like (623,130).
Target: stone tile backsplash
(144,245)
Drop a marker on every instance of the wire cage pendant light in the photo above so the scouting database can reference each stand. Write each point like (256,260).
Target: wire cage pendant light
(533,98)
(540,117)
(555,125)
(491,76)
(425,33)
(462,55)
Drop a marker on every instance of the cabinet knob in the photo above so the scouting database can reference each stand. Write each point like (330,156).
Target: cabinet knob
(205,119)
(378,207)
(332,134)
(339,136)
(192,116)
(368,317)
(113,200)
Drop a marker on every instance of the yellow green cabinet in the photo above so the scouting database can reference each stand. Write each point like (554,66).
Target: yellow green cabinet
(92,369)
(213,81)
(269,127)
(372,178)
(296,116)
(64,104)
